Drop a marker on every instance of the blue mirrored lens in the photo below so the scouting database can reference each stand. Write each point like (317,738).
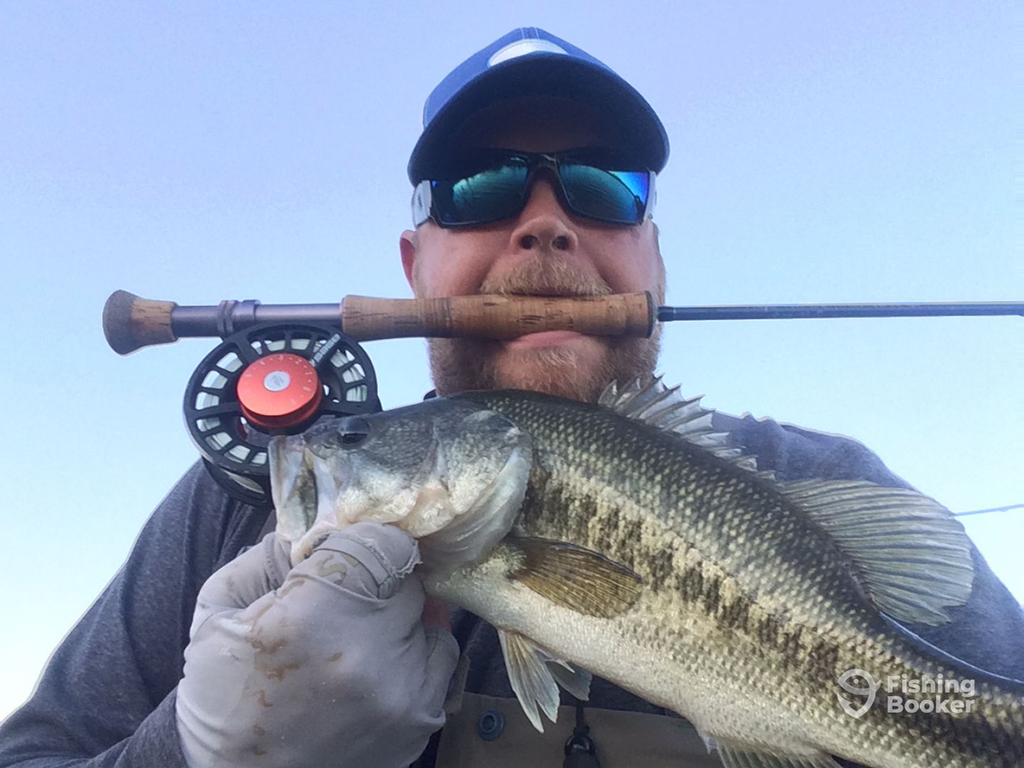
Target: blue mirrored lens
(613,196)
(488,195)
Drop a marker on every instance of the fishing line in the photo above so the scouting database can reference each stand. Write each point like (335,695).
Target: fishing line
(986,511)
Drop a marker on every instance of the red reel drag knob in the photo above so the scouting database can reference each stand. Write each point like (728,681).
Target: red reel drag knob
(279,390)
(272,378)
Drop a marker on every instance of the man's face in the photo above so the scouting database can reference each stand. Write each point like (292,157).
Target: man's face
(543,251)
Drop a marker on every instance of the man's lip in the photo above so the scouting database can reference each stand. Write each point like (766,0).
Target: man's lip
(543,295)
(543,339)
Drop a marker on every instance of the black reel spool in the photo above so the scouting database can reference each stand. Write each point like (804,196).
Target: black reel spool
(271,379)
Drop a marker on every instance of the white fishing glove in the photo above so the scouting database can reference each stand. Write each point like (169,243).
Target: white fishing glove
(325,664)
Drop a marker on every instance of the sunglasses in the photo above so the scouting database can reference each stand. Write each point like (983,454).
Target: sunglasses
(494,185)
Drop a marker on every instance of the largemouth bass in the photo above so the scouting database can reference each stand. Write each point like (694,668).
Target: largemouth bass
(625,539)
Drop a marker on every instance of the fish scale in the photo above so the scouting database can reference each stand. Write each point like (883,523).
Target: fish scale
(600,501)
(628,540)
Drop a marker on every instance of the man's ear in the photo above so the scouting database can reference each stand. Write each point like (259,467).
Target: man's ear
(407,244)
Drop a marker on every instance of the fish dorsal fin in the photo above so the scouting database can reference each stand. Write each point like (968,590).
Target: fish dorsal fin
(910,553)
(654,403)
(535,676)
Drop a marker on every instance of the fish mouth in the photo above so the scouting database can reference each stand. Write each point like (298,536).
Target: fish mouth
(293,486)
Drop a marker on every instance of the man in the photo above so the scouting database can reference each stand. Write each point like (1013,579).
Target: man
(339,661)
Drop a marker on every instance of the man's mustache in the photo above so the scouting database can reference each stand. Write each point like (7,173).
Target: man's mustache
(545,277)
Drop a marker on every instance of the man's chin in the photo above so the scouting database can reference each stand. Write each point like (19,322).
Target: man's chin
(578,369)
(574,369)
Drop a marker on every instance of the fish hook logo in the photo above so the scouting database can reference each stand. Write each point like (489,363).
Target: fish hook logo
(850,681)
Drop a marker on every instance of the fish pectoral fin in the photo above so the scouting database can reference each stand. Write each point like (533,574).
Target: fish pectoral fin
(909,553)
(576,578)
(535,676)
(735,755)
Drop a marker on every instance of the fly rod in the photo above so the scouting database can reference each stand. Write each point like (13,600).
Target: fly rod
(131,322)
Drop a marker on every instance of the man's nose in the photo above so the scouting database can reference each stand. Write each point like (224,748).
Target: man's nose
(543,223)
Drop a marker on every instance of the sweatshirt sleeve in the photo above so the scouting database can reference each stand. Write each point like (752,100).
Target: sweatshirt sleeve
(106,697)
(985,632)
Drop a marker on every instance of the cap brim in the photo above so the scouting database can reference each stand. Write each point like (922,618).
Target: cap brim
(548,74)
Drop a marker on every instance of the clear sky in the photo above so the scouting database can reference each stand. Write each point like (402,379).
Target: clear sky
(198,151)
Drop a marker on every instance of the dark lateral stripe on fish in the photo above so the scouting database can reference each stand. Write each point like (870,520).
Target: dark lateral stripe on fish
(821,662)
(691,584)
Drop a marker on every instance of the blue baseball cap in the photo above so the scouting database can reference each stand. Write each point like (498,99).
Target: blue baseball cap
(530,61)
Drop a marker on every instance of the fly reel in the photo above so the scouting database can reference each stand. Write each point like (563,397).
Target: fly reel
(271,379)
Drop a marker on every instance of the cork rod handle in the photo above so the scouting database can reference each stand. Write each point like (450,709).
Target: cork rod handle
(497,317)
(131,322)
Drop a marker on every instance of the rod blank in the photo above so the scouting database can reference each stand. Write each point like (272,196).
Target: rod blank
(795,311)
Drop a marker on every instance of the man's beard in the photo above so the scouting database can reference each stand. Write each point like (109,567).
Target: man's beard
(458,365)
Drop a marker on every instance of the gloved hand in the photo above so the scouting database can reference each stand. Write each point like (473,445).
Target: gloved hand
(326,664)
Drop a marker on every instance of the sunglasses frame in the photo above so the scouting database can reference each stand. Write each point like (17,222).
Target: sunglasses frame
(423,201)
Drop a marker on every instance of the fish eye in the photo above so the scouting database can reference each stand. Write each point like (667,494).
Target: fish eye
(352,438)
(339,433)
(352,431)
